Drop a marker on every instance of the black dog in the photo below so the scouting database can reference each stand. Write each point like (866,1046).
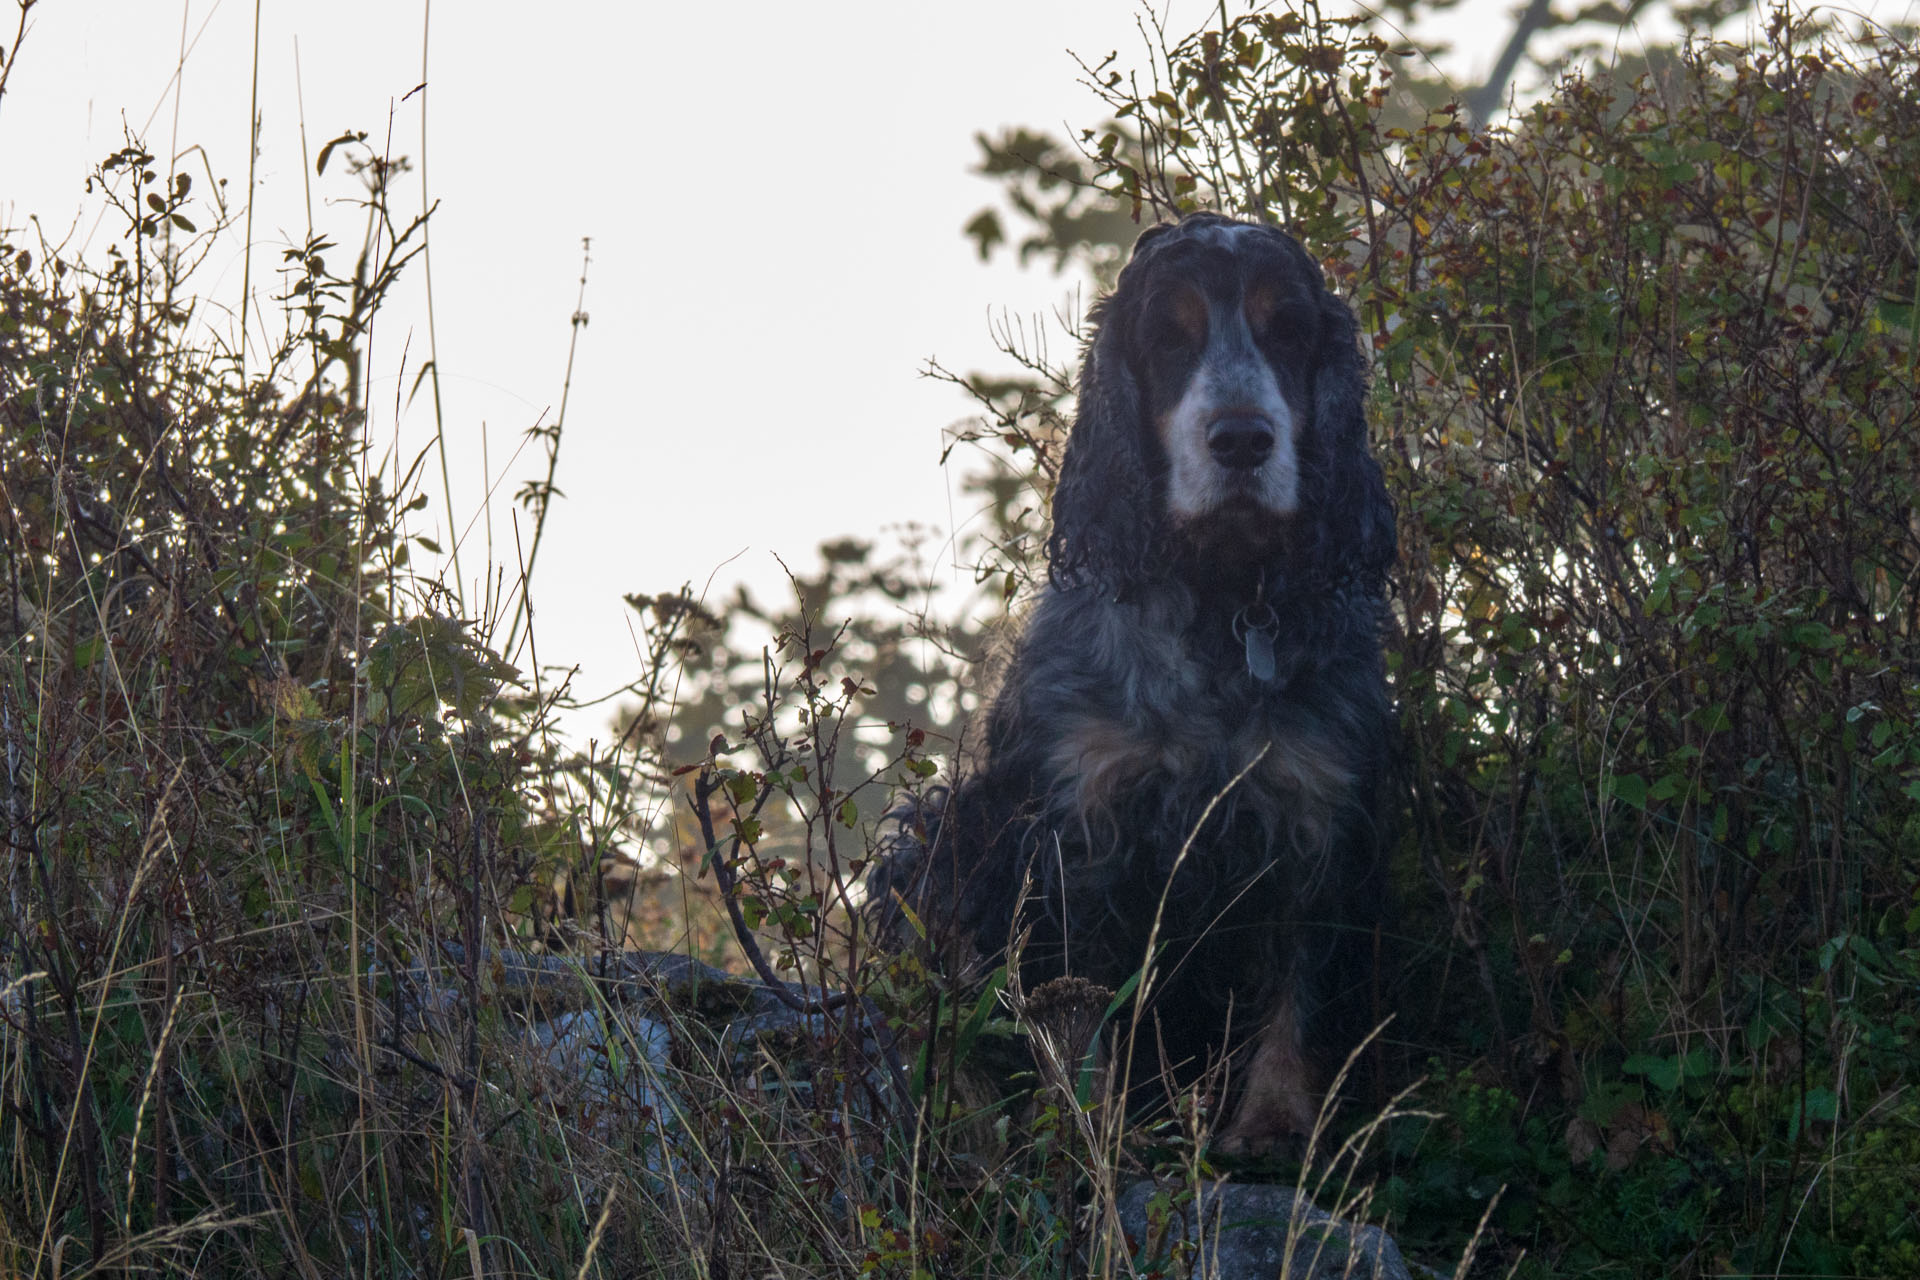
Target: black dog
(1189,745)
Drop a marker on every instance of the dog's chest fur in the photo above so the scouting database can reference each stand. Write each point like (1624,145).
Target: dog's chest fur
(1155,710)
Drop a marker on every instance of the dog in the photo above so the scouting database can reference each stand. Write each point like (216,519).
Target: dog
(1184,766)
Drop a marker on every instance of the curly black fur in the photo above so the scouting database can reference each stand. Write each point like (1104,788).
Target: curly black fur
(1137,761)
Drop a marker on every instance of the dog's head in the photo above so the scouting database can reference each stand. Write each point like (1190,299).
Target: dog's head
(1221,424)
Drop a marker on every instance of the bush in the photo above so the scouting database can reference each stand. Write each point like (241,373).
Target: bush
(1658,447)
(1646,378)
(247,765)
(1645,385)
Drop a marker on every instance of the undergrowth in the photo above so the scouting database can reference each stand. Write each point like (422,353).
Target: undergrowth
(288,985)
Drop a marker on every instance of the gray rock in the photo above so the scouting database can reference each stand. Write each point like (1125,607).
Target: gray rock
(547,984)
(575,1046)
(1258,1231)
(612,1062)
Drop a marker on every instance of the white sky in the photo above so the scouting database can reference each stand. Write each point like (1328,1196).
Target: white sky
(775,193)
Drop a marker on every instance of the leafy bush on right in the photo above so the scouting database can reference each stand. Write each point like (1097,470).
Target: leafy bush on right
(1653,404)
(1646,384)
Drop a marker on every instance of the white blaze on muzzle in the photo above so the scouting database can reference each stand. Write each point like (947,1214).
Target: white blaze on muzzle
(1231,437)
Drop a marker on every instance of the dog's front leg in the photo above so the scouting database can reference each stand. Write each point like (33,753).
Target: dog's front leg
(1279,1093)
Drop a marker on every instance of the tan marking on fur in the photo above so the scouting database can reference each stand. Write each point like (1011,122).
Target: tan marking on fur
(1308,778)
(1279,1094)
(1190,310)
(1301,774)
(1306,765)
(1262,297)
(1100,756)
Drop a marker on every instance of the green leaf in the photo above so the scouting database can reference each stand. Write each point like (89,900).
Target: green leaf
(324,803)
(1819,1104)
(1713,717)
(977,1017)
(1662,1073)
(1627,788)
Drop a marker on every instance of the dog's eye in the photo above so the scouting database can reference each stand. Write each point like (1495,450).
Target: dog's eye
(1262,309)
(1177,321)
(1279,325)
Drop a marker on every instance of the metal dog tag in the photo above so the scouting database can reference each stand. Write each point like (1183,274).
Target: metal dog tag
(1255,626)
(1260,663)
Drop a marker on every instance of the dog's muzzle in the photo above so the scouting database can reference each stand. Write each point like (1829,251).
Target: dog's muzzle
(1240,443)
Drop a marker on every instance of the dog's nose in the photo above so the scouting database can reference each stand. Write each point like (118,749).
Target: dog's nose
(1240,444)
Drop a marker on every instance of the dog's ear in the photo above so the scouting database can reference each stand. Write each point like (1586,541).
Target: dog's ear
(1106,514)
(1356,535)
